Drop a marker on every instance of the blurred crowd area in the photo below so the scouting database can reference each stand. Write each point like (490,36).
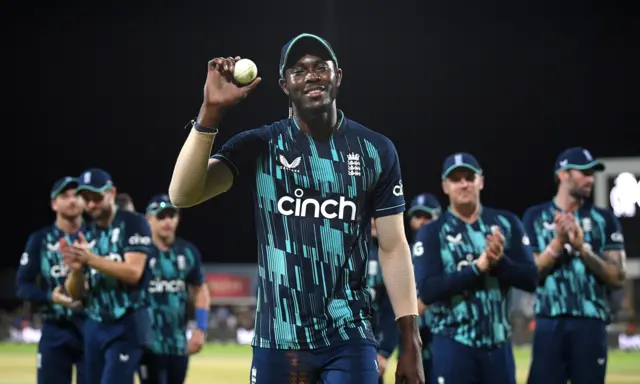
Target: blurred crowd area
(235,323)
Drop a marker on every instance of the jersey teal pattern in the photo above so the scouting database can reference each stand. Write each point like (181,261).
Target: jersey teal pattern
(109,299)
(570,289)
(313,204)
(42,269)
(172,273)
(464,304)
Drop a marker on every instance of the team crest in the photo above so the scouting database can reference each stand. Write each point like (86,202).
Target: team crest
(181,262)
(353,164)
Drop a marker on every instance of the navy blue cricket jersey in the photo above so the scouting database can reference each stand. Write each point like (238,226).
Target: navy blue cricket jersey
(465,304)
(313,204)
(109,299)
(42,268)
(570,289)
(172,273)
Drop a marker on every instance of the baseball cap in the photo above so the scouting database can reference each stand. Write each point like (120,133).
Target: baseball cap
(311,44)
(460,160)
(94,179)
(159,203)
(425,202)
(577,158)
(62,185)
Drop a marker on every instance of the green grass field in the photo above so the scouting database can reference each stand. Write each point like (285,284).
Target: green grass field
(221,364)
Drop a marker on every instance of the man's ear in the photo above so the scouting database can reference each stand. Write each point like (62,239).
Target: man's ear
(338,77)
(283,85)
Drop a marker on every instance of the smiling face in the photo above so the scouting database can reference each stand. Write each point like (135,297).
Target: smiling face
(463,186)
(312,83)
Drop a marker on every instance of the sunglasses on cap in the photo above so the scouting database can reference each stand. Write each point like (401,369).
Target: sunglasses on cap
(170,213)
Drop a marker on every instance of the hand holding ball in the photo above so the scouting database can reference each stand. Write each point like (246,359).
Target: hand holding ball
(245,71)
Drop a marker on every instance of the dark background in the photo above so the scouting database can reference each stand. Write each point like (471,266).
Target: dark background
(513,82)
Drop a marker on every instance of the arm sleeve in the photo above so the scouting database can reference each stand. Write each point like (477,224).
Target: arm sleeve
(517,268)
(196,275)
(137,236)
(435,284)
(388,195)
(613,233)
(240,152)
(28,272)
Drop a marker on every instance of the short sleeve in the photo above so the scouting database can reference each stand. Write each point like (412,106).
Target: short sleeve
(195,276)
(137,235)
(613,233)
(530,232)
(240,152)
(388,195)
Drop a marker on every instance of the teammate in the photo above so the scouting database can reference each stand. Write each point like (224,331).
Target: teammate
(125,202)
(176,269)
(61,344)
(466,262)
(113,255)
(319,178)
(423,209)
(579,250)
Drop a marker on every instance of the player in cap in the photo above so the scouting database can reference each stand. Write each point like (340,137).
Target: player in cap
(176,273)
(40,281)
(318,179)
(424,208)
(108,269)
(579,251)
(466,262)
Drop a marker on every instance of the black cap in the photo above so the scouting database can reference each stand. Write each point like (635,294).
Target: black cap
(94,179)
(312,44)
(425,202)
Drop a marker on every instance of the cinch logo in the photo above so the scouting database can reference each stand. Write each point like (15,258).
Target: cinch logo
(139,240)
(171,286)
(58,271)
(329,209)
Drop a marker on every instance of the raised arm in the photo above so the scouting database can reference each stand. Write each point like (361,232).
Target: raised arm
(196,178)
